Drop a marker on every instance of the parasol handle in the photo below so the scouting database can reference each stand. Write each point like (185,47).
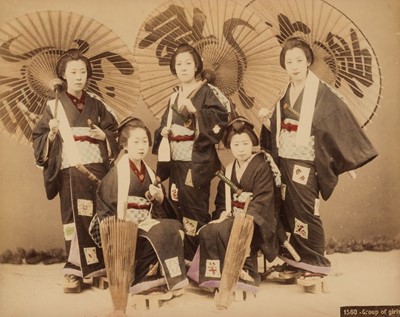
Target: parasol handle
(56,106)
(208,76)
(227,181)
(31,115)
(194,92)
(57,88)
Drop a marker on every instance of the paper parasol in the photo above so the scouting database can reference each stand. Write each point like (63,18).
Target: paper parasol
(29,49)
(344,58)
(233,42)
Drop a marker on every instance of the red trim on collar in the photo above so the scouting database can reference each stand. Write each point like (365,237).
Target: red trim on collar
(78,103)
(140,174)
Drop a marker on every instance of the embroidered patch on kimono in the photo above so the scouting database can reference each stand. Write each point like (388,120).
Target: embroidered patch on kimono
(188,180)
(69,231)
(212,268)
(190,226)
(316,207)
(173,266)
(300,174)
(300,228)
(216,129)
(90,255)
(174,192)
(148,224)
(85,207)
(283,191)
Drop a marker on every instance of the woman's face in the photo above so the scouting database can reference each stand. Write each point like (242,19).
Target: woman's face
(185,67)
(137,145)
(76,76)
(241,147)
(296,64)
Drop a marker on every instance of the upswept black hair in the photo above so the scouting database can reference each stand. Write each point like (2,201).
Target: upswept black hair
(239,125)
(72,54)
(299,43)
(182,48)
(126,126)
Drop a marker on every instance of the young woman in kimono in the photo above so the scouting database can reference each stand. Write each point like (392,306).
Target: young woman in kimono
(314,138)
(62,142)
(159,257)
(258,177)
(189,130)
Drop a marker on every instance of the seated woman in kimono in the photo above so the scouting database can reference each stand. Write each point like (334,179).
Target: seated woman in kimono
(255,174)
(159,260)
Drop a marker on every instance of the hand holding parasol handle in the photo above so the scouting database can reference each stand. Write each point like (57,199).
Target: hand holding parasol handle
(56,84)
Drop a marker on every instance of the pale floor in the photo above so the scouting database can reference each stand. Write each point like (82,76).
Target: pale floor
(359,279)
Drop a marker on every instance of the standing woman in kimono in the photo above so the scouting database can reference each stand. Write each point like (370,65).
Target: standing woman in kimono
(78,131)
(314,137)
(129,185)
(257,176)
(189,130)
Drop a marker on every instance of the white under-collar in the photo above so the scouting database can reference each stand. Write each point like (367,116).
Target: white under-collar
(239,169)
(306,113)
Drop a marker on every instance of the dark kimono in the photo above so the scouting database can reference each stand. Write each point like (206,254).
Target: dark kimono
(258,179)
(77,193)
(194,160)
(159,245)
(336,144)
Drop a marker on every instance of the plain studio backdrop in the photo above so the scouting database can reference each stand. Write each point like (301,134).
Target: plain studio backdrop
(359,208)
